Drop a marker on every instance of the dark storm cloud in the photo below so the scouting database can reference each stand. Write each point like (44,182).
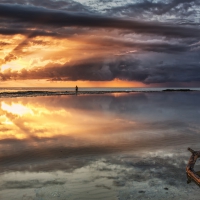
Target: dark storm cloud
(94,69)
(124,68)
(141,46)
(64,5)
(176,7)
(33,33)
(102,42)
(176,72)
(54,19)
(39,16)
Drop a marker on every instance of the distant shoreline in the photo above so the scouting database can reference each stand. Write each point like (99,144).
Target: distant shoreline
(59,93)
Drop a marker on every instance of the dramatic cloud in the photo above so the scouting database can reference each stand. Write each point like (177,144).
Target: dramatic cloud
(123,67)
(176,7)
(59,18)
(128,147)
(33,33)
(143,41)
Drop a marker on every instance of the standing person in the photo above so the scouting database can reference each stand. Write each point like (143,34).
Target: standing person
(76,89)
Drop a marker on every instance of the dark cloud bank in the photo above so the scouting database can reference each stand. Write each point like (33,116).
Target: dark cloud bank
(63,19)
(40,16)
(122,68)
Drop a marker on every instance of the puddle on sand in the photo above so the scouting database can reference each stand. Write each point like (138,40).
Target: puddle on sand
(131,146)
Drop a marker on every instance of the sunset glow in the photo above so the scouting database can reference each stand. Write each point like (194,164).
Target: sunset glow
(27,119)
(99,99)
(110,45)
(16,109)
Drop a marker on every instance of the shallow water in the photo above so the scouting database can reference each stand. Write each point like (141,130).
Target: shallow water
(111,146)
(90,89)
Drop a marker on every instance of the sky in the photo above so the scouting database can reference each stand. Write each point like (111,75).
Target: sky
(101,43)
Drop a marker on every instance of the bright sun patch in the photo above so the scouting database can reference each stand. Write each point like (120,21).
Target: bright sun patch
(16,109)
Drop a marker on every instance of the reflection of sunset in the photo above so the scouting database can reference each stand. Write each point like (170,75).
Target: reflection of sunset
(4,67)
(83,120)
(29,118)
(16,109)
(5,120)
(84,113)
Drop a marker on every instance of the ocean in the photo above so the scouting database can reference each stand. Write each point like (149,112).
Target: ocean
(62,89)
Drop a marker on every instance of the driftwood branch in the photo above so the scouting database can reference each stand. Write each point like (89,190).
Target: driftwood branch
(191,174)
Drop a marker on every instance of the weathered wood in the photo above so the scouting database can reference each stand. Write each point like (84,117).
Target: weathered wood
(192,151)
(191,174)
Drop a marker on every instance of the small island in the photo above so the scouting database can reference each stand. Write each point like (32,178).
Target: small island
(177,90)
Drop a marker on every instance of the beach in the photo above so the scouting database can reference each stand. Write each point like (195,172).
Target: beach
(99,100)
(31,92)
(98,144)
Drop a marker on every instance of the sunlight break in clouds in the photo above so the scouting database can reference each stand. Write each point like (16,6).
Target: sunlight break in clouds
(69,42)
(16,109)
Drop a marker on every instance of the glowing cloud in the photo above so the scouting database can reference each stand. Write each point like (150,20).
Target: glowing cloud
(16,109)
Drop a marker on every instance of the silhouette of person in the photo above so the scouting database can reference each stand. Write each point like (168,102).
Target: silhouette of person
(76,89)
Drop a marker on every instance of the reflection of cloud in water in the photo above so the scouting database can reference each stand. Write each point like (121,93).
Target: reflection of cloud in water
(17,109)
(70,126)
(123,175)
(133,144)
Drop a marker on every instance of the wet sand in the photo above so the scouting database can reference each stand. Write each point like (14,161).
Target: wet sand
(111,146)
(57,93)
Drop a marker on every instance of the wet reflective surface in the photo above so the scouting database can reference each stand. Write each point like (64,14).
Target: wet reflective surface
(114,146)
